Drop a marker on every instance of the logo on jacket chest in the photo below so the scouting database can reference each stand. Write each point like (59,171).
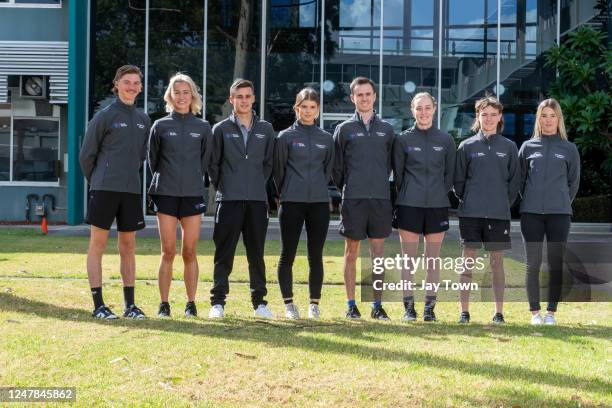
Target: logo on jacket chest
(298,145)
(119,125)
(172,133)
(192,134)
(260,136)
(477,154)
(559,156)
(438,148)
(140,126)
(501,154)
(355,135)
(381,134)
(410,149)
(321,146)
(231,135)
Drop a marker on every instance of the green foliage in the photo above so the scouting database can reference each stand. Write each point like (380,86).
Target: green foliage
(584,65)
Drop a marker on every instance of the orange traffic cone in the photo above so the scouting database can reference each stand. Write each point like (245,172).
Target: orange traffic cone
(43,226)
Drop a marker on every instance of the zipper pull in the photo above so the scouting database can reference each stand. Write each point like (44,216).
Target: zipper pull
(246,156)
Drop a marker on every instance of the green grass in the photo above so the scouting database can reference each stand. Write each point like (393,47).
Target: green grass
(48,339)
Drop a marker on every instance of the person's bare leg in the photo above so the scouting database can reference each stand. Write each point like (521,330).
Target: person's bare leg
(466,278)
(167,236)
(377,250)
(126,243)
(410,246)
(499,279)
(191,235)
(433,244)
(351,252)
(98,238)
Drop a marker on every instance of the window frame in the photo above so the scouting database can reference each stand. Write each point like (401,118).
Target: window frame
(12,4)
(29,183)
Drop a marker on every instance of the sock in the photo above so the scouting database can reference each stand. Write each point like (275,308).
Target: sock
(314,302)
(377,303)
(408,299)
(288,301)
(128,296)
(351,302)
(96,293)
(430,300)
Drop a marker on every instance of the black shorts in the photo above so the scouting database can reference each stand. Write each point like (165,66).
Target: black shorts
(365,218)
(179,207)
(421,220)
(494,234)
(104,206)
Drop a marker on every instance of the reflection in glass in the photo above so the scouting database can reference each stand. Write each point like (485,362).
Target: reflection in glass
(118,38)
(468,59)
(528,30)
(409,67)
(5,142)
(35,149)
(352,45)
(293,62)
(175,45)
(234,47)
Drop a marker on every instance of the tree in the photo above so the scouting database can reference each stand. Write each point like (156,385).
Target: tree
(584,65)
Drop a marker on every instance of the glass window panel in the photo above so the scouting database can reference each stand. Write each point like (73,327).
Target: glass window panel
(466,12)
(291,45)
(175,45)
(356,13)
(5,142)
(422,13)
(234,51)
(38,1)
(35,149)
(118,38)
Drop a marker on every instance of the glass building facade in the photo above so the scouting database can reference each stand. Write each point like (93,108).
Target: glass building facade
(457,50)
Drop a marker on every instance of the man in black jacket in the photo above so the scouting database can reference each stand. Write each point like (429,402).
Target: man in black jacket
(240,165)
(111,156)
(362,165)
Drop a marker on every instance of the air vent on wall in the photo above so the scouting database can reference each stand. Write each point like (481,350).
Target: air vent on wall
(33,87)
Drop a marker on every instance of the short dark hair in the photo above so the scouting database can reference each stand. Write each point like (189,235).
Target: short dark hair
(361,80)
(241,83)
(124,70)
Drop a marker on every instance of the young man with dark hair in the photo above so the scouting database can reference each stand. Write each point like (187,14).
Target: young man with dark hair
(111,156)
(362,165)
(240,165)
(487,181)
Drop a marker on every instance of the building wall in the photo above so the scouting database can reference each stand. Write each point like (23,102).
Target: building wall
(34,24)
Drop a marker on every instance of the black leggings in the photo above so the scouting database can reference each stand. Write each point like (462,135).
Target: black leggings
(556,229)
(292,217)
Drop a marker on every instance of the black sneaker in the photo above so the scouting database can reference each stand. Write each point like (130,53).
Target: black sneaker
(133,312)
(410,315)
(191,310)
(379,313)
(104,313)
(164,309)
(428,313)
(353,313)
(498,318)
(465,317)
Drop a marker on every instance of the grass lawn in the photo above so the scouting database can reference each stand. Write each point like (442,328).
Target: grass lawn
(47,338)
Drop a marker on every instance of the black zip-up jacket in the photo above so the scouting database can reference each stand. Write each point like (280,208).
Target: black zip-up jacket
(487,176)
(423,167)
(303,159)
(178,155)
(550,170)
(114,148)
(362,158)
(239,172)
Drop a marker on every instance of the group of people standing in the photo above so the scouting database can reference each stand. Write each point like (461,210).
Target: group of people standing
(486,172)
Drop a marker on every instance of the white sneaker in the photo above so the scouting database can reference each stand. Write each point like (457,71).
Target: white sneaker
(313,311)
(291,311)
(216,312)
(263,312)
(549,319)
(536,319)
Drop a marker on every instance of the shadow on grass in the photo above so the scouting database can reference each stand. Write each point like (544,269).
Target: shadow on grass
(286,334)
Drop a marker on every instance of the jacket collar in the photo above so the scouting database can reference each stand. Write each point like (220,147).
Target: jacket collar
(357,117)
(180,116)
(123,106)
(232,117)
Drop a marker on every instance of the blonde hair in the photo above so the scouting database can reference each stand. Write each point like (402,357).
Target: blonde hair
(554,105)
(422,95)
(196,99)
(484,103)
(306,94)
